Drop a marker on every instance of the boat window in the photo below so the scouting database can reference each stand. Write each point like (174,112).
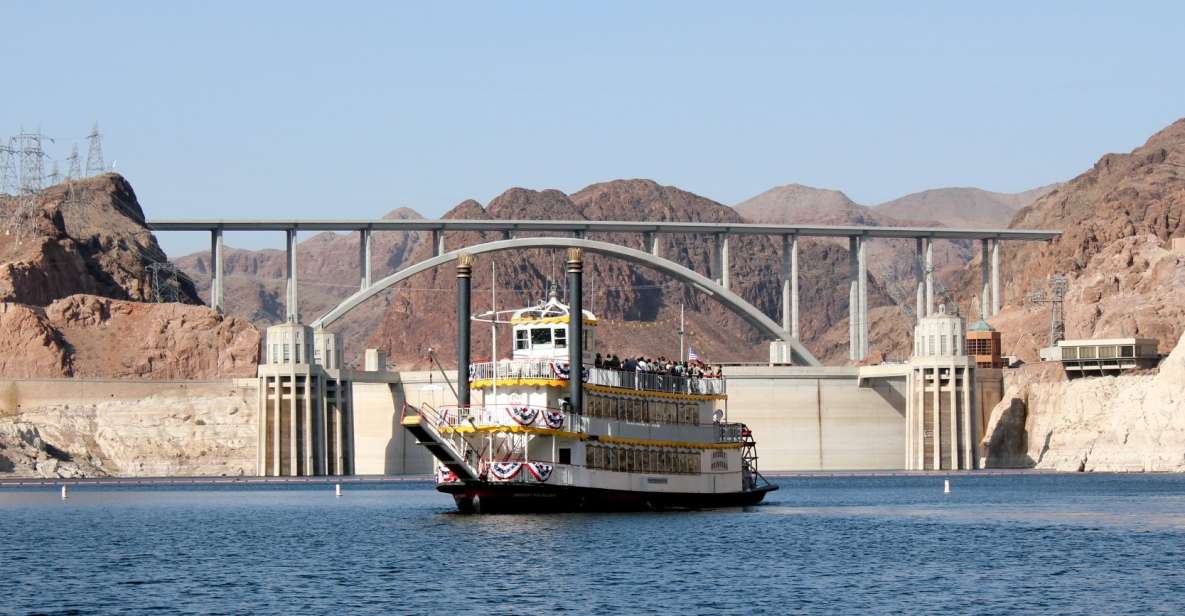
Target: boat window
(561,338)
(520,340)
(565,455)
(540,335)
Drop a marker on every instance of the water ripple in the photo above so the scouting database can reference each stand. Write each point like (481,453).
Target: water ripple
(1032,544)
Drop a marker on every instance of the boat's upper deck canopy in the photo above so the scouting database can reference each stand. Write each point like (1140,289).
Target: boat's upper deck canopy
(541,331)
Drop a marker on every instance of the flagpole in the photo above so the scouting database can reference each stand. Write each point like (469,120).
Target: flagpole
(494,328)
(682,356)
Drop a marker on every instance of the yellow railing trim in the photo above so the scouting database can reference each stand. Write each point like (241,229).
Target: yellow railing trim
(584,436)
(605,389)
(547,320)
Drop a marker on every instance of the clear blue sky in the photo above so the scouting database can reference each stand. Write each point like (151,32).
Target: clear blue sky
(342,109)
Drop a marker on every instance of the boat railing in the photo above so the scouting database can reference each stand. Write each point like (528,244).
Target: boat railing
(608,377)
(514,369)
(653,381)
(731,432)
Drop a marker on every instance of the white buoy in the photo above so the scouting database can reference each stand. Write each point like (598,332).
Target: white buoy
(65,492)
(337,489)
(946,486)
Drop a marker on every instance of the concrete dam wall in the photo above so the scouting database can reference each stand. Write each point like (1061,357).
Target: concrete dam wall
(803,419)
(820,418)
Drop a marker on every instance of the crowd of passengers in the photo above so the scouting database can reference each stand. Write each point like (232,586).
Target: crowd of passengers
(662,365)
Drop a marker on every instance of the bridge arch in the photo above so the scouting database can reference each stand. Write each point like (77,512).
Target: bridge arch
(730,300)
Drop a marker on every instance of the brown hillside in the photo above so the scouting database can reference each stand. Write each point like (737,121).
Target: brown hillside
(892,262)
(92,242)
(328,273)
(1118,219)
(961,207)
(638,307)
(74,292)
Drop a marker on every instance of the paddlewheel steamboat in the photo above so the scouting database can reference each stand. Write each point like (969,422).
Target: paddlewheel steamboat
(548,430)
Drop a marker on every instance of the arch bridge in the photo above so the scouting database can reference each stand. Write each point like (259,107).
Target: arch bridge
(575,234)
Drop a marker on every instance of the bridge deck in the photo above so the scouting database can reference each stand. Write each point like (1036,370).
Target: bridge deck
(599,226)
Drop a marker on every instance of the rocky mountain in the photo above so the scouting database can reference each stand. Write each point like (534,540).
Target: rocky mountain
(84,237)
(893,262)
(1124,278)
(796,203)
(627,299)
(327,273)
(76,282)
(961,207)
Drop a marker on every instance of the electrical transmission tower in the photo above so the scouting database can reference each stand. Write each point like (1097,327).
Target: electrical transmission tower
(73,174)
(32,156)
(74,171)
(1056,300)
(9,184)
(164,282)
(94,156)
(54,175)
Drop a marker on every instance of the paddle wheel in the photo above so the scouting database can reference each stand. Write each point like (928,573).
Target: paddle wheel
(749,474)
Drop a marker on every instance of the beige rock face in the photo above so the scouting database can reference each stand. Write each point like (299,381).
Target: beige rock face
(1125,423)
(199,430)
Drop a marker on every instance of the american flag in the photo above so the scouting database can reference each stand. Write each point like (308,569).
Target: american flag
(692,355)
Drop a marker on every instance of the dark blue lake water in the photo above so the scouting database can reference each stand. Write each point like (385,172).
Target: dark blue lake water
(1031,544)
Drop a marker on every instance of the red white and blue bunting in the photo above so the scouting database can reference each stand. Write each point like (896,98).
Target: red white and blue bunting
(561,369)
(553,419)
(524,415)
(505,471)
(540,471)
